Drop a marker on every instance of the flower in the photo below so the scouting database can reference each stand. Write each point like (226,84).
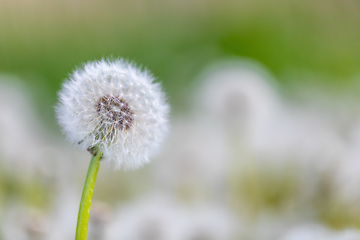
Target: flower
(240,95)
(316,231)
(115,107)
(163,217)
(20,129)
(196,145)
(152,217)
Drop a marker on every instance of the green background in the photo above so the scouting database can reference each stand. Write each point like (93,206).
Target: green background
(43,41)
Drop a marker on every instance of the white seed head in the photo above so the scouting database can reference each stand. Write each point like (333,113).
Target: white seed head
(240,95)
(316,231)
(115,107)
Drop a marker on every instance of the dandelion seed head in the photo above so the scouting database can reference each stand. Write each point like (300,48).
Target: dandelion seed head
(237,91)
(115,107)
(240,95)
(316,231)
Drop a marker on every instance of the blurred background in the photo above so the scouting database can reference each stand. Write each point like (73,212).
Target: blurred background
(265,138)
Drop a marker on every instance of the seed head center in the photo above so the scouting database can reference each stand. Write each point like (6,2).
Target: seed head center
(115,111)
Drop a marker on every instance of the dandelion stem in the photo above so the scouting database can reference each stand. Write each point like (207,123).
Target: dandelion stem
(86,198)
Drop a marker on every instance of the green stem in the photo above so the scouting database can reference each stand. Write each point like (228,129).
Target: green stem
(85,203)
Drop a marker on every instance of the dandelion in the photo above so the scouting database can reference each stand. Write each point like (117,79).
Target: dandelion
(116,112)
(188,146)
(163,217)
(315,231)
(239,94)
(19,129)
(116,108)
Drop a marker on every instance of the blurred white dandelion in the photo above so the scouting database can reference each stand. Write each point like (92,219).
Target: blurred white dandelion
(315,232)
(239,94)
(24,223)
(212,222)
(151,218)
(115,107)
(20,129)
(162,217)
(188,147)
(347,177)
